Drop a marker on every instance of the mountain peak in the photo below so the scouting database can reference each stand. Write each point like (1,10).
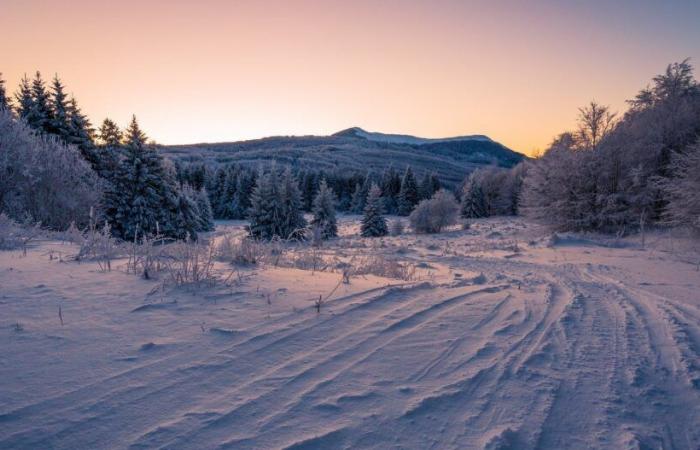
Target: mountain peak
(357,132)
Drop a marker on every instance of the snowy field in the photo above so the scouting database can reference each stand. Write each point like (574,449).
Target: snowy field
(498,337)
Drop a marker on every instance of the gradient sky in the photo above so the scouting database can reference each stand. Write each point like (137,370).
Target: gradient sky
(215,70)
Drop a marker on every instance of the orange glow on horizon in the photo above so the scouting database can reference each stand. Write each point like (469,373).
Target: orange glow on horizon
(220,70)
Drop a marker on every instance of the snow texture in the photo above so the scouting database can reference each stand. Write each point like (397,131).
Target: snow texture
(511,338)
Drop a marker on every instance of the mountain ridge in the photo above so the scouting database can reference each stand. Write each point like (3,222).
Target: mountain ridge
(355,149)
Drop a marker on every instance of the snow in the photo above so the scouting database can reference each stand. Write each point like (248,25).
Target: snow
(411,140)
(509,338)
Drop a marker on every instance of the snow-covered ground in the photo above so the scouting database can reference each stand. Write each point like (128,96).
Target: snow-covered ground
(504,338)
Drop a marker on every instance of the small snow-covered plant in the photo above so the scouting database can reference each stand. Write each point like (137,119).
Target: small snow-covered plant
(396,228)
(10,233)
(432,216)
(383,267)
(245,251)
(14,235)
(189,262)
(99,245)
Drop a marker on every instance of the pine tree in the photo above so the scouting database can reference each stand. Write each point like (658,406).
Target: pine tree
(373,223)
(4,100)
(324,212)
(109,134)
(59,125)
(140,199)
(473,201)
(185,220)
(228,194)
(107,153)
(244,189)
(266,211)
(40,115)
(80,133)
(357,204)
(25,102)
(206,218)
(293,218)
(408,195)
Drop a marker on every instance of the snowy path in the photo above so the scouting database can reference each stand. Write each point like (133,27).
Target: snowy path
(540,354)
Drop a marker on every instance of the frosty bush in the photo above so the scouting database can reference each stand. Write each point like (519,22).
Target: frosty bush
(14,236)
(431,216)
(42,179)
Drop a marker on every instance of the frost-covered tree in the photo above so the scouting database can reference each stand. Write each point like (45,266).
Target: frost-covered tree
(266,208)
(43,180)
(473,205)
(4,100)
(206,218)
(141,200)
(39,116)
(324,212)
(408,194)
(433,215)
(23,97)
(59,123)
(80,133)
(683,189)
(429,185)
(293,223)
(373,223)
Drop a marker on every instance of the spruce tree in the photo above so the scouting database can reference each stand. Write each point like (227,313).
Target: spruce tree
(140,200)
(266,211)
(80,133)
(107,153)
(40,115)
(4,100)
(109,134)
(206,218)
(227,208)
(373,223)
(59,125)
(408,194)
(473,201)
(293,223)
(357,204)
(25,102)
(324,212)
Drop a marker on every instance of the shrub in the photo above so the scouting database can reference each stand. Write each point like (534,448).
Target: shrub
(431,216)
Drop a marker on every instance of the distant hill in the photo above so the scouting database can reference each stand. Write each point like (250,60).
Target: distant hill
(355,149)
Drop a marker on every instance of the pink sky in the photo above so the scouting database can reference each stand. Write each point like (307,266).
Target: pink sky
(227,70)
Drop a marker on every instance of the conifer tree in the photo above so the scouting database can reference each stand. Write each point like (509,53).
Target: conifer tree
(293,224)
(228,194)
(60,121)
(357,204)
(109,134)
(324,212)
(80,133)
(4,100)
(40,115)
(473,201)
(408,195)
(206,218)
(107,153)
(185,220)
(265,212)
(140,199)
(373,223)
(25,102)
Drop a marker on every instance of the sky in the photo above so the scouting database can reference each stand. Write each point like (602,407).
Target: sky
(224,70)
